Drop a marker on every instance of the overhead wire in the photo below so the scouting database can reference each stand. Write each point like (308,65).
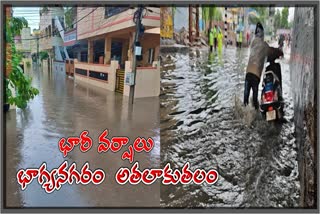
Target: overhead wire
(63,29)
(112,19)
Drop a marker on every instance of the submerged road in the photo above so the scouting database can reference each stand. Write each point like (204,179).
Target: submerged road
(65,108)
(203,122)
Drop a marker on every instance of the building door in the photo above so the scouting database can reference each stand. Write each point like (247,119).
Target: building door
(119,81)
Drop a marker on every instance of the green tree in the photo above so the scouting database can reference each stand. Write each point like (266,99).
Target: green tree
(210,14)
(16,25)
(277,20)
(284,17)
(262,15)
(43,55)
(69,17)
(16,78)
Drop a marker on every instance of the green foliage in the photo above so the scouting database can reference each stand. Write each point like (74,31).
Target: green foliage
(262,15)
(17,80)
(13,27)
(284,17)
(44,10)
(281,19)
(43,55)
(16,25)
(28,64)
(211,13)
(69,17)
(277,20)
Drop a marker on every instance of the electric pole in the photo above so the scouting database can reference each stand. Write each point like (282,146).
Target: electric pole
(197,23)
(137,20)
(38,51)
(190,23)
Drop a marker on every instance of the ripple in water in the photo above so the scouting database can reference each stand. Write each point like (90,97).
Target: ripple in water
(203,122)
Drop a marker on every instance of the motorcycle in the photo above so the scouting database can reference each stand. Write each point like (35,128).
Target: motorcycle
(271,103)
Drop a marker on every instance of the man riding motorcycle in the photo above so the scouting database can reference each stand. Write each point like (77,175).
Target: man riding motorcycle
(259,50)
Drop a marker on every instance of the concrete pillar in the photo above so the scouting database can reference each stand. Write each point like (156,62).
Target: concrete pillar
(90,51)
(112,75)
(131,39)
(107,50)
(125,47)
(126,89)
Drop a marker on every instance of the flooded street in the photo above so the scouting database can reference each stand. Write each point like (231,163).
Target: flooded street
(203,122)
(63,109)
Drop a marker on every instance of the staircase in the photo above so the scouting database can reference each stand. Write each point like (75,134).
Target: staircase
(62,50)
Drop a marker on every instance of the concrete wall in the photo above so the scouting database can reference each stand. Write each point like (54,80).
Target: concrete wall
(147,81)
(44,65)
(149,41)
(26,36)
(305,105)
(96,24)
(109,69)
(58,67)
(45,21)
(45,18)
(25,62)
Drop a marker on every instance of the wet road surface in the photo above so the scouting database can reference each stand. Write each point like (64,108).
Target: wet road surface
(65,108)
(203,122)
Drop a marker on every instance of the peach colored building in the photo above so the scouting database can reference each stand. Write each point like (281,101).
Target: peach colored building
(109,33)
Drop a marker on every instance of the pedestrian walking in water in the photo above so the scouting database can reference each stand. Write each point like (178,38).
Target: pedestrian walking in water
(240,39)
(237,39)
(215,36)
(211,39)
(220,40)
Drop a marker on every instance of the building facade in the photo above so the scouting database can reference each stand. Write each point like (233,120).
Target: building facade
(109,34)
(51,37)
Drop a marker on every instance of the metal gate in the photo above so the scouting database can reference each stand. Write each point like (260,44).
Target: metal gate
(119,81)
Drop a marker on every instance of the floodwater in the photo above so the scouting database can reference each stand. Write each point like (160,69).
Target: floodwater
(203,122)
(65,108)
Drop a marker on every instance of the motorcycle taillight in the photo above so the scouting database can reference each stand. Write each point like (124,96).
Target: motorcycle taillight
(268,96)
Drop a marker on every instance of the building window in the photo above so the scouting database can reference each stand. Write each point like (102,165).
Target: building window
(98,75)
(81,71)
(111,11)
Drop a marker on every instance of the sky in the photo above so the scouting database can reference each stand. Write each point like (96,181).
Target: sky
(31,14)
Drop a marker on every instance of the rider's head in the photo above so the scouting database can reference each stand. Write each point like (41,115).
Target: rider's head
(259,30)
